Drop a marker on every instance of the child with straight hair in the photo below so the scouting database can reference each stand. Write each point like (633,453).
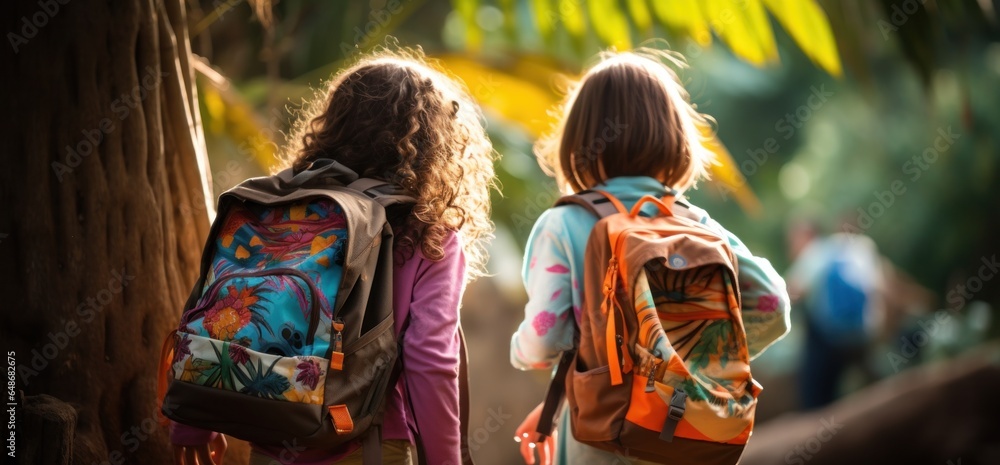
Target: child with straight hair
(628,129)
(393,116)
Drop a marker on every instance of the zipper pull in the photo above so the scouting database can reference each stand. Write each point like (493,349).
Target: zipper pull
(626,358)
(610,278)
(654,364)
(337,355)
(338,336)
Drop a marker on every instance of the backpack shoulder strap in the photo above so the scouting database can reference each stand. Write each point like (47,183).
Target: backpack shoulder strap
(597,202)
(601,204)
(463,398)
(386,194)
(554,395)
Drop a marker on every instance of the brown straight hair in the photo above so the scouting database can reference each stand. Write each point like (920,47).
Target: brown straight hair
(628,115)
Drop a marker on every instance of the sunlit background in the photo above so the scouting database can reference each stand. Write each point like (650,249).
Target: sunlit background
(878,117)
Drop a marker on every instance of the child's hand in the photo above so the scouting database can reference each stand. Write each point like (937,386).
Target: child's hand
(527,435)
(206,454)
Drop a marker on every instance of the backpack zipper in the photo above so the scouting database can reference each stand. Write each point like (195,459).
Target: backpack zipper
(371,403)
(313,292)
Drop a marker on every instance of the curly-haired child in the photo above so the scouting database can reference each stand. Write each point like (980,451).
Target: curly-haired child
(395,117)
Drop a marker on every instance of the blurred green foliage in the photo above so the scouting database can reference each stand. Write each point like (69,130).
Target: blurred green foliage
(820,124)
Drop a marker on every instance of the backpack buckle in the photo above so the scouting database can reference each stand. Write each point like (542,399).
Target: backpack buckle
(675,413)
(677,405)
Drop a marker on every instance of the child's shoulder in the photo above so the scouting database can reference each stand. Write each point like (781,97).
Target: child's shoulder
(565,218)
(690,210)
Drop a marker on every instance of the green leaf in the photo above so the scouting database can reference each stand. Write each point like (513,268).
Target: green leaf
(510,91)
(640,14)
(759,25)
(467,11)
(542,11)
(744,26)
(509,9)
(507,6)
(685,17)
(228,113)
(809,26)
(267,384)
(573,18)
(609,23)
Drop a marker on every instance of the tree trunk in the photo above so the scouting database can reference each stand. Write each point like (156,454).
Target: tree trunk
(104,211)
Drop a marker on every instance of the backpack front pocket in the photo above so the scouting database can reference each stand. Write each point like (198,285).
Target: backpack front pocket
(276,311)
(233,367)
(598,407)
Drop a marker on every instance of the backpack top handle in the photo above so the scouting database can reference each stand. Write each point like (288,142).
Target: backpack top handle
(664,207)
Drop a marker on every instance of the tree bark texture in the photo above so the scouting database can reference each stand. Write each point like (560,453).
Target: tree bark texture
(104,213)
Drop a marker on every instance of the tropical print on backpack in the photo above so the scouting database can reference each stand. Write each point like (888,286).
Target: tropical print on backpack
(288,335)
(662,370)
(691,340)
(263,324)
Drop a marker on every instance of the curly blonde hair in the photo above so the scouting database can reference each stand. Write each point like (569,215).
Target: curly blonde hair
(395,116)
(628,115)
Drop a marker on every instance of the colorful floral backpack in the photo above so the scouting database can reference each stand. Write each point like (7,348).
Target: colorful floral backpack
(288,336)
(661,371)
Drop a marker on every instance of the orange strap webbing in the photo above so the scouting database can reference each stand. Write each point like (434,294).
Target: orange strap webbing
(166,358)
(612,311)
(341,417)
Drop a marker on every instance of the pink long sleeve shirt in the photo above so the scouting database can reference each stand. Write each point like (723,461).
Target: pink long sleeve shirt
(429,293)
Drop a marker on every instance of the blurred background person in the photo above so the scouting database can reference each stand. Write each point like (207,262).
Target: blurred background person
(837,283)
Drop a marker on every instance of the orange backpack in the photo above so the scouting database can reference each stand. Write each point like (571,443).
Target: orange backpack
(661,371)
